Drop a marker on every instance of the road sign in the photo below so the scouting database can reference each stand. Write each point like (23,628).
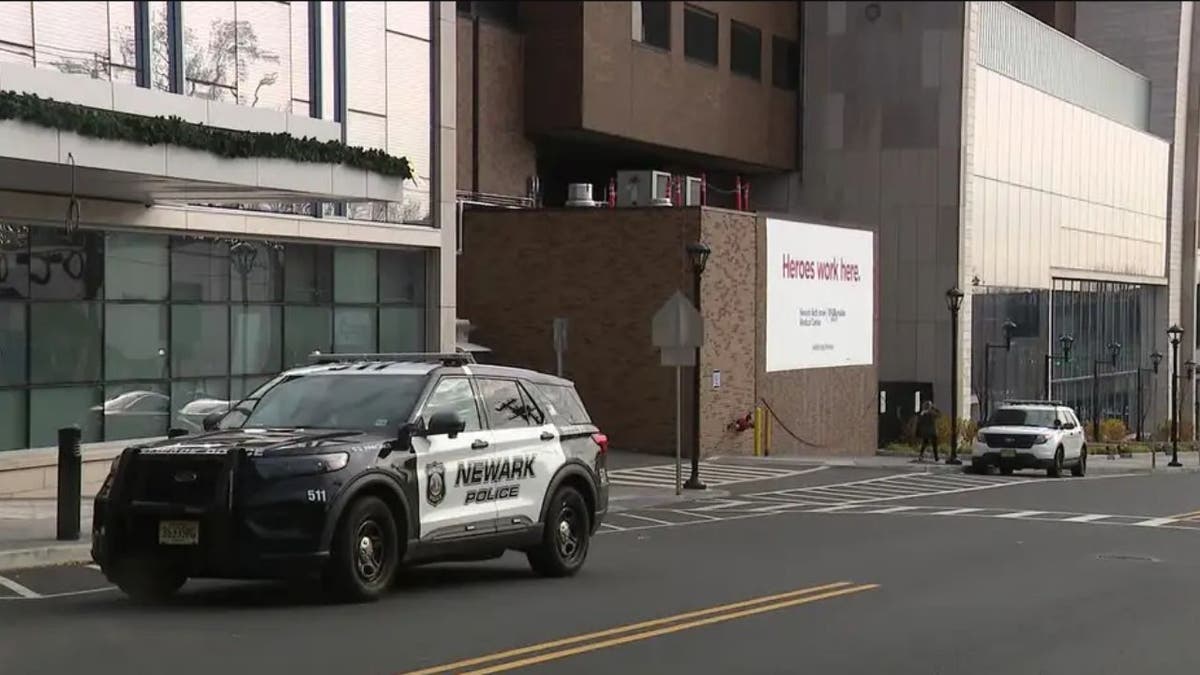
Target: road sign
(677,324)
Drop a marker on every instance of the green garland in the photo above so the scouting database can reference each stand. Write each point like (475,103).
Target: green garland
(120,126)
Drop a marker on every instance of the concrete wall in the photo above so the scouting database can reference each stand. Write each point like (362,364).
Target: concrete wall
(882,144)
(1061,191)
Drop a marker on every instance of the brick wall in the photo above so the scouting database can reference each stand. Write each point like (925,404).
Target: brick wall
(608,272)
(506,157)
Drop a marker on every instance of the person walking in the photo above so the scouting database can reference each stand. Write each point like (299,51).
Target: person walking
(927,429)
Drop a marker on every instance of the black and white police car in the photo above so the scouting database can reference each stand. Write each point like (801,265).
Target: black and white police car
(1031,435)
(353,467)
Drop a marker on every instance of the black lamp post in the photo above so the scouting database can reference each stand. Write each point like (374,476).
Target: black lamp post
(1155,359)
(954,298)
(698,253)
(1065,342)
(1176,334)
(1114,351)
(1009,327)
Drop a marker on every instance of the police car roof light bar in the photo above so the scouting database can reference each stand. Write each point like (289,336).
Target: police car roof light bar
(446,358)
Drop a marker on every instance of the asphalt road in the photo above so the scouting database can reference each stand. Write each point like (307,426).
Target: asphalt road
(832,571)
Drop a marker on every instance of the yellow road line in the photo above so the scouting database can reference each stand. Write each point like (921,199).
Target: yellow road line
(1189,514)
(552,656)
(521,651)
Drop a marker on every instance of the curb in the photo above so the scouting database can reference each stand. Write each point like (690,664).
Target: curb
(45,556)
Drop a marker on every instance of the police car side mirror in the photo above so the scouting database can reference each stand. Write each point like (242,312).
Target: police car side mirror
(211,420)
(445,422)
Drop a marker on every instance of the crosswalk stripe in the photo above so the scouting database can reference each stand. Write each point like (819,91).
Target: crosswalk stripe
(1086,518)
(1019,514)
(893,509)
(1155,522)
(955,512)
(663,475)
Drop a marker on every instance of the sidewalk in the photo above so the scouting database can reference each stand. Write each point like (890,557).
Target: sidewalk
(27,534)
(1097,464)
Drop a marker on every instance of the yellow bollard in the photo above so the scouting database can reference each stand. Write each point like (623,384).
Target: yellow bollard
(758,431)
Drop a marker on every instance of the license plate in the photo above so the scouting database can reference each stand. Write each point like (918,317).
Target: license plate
(179,532)
(1008,453)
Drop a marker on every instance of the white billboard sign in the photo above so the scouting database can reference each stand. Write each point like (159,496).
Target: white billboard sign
(820,296)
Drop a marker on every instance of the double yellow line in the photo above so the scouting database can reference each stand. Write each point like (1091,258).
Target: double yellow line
(1191,515)
(612,637)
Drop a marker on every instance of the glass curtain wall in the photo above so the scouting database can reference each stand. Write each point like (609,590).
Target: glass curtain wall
(998,374)
(1097,314)
(127,334)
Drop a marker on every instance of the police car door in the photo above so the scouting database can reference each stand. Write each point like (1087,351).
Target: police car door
(527,453)
(447,506)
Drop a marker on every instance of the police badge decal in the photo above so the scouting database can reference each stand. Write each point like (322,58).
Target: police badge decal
(435,483)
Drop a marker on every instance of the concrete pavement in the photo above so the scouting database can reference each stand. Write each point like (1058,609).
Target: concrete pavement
(944,593)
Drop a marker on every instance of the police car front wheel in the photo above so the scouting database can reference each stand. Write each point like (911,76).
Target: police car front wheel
(366,551)
(566,536)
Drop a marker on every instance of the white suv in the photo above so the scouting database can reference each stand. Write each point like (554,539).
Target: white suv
(1031,435)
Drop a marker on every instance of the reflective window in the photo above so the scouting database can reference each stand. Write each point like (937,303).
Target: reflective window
(354,275)
(652,23)
(700,35)
(354,329)
(199,270)
(408,91)
(785,64)
(136,411)
(410,17)
(193,400)
(52,408)
(135,267)
(65,342)
(13,342)
(454,394)
(199,340)
(745,50)
(507,406)
(308,329)
(13,416)
(16,32)
(366,402)
(135,341)
(85,38)
(14,262)
(366,72)
(309,273)
(264,46)
(300,60)
(160,70)
(401,329)
(401,276)
(128,334)
(65,266)
(210,50)
(256,339)
(256,271)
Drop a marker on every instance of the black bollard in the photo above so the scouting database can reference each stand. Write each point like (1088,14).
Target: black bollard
(70,483)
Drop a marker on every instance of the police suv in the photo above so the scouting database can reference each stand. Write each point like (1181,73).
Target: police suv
(1031,434)
(353,467)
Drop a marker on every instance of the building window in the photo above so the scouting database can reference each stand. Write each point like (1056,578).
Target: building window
(745,50)
(700,35)
(130,334)
(652,23)
(785,64)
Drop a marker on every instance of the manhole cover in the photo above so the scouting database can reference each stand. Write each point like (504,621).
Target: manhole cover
(1127,556)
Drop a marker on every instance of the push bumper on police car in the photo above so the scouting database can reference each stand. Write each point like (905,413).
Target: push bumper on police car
(1017,450)
(213,515)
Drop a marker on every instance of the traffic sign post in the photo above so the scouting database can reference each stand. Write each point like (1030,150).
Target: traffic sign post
(678,331)
(560,342)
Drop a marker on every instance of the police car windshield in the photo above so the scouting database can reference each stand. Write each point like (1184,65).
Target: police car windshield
(338,401)
(1021,417)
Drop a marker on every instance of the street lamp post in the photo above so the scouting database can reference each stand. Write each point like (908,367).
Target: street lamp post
(1155,360)
(698,253)
(1114,351)
(1065,342)
(1176,334)
(1009,327)
(954,298)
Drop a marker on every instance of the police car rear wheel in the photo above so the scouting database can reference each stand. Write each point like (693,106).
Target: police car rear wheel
(366,551)
(566,536)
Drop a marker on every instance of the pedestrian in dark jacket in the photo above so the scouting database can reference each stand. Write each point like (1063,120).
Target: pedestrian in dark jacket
(927,429)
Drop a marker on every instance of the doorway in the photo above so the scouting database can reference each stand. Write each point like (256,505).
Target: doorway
(898,403)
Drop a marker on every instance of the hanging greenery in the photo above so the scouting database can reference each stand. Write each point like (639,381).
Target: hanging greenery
(119,126)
